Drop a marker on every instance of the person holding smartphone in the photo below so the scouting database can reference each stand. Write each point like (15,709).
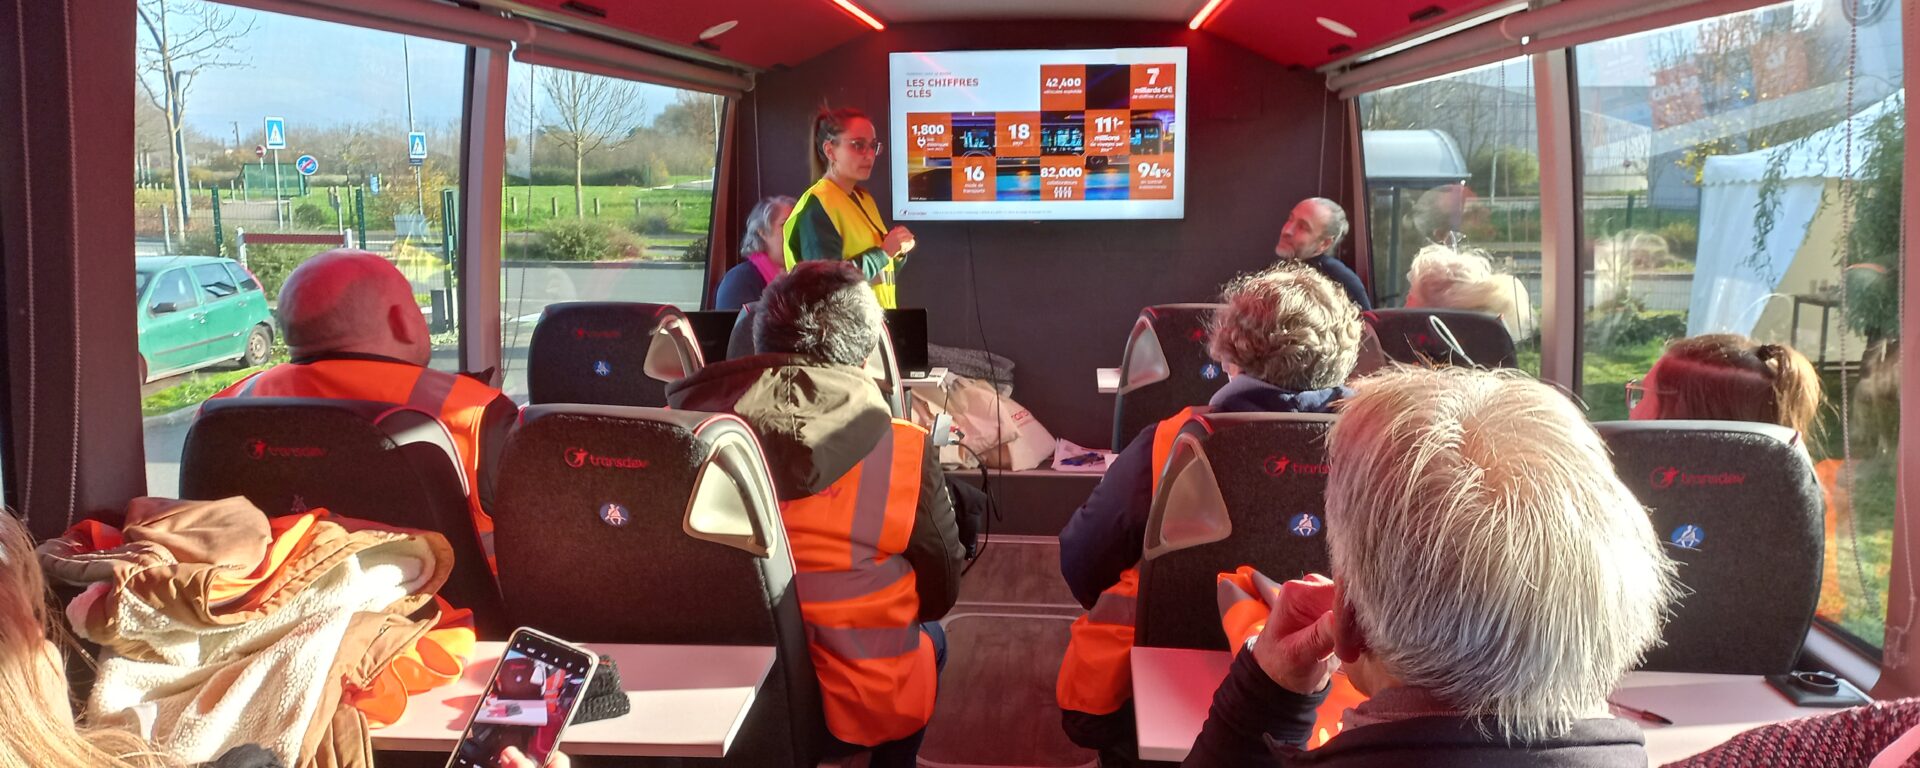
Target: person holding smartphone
(836,220)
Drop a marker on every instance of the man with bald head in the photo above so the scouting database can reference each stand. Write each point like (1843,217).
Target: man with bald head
(1312,232)
(355,333)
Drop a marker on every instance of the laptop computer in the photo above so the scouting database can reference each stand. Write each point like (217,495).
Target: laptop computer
(908,330)
(713,328)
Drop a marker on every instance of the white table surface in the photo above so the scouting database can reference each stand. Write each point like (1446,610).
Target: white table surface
(1106,381)
(688,701)
(1172,689)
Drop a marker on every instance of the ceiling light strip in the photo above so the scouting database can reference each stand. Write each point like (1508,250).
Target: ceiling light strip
(1206,13)
(858,13)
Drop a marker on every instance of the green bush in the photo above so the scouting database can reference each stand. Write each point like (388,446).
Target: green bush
(199,242)
(696,250)
(655,220)
(1628,323)
(585,240)
(273,263)
(312,214)
(1683,239)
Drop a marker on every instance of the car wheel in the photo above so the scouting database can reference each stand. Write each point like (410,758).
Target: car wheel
(259,345)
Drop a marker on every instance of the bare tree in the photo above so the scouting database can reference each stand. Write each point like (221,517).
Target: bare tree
(587,112)
(183,39)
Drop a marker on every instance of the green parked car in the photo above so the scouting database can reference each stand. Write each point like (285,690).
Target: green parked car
(197,311)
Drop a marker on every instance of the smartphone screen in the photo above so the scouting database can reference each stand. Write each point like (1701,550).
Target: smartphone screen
(527,703)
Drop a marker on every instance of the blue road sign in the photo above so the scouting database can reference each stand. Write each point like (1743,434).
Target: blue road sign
(306,165)
(374,182)
(276,133)
(416,147)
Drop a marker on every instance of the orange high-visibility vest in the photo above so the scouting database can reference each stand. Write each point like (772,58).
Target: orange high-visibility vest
(457,401)
(1243,615)
(857,593)
(1096,676)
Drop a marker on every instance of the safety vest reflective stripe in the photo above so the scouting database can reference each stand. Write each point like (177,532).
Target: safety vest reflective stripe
(865,642)
(829,586)
(1095,676)
(430,391)
(858,596)
(1112,608)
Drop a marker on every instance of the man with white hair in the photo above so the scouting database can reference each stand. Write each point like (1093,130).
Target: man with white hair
(355,333)
(1312,232)
(1287,338)
(1448,278)
(1492,582)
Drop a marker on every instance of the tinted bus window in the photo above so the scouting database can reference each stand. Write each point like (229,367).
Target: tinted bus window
(1455,161)
(1719,160)
(609,197)
(213,193)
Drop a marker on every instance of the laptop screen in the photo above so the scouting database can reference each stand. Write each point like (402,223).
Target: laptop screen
(713,327)
(908,330)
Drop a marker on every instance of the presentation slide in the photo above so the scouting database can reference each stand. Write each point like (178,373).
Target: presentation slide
(1036,135)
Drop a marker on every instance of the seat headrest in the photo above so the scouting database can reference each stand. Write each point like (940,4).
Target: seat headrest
(731,501)
(1418,334)
(1190,508)
(1162,327)
(326,428)
(595,352)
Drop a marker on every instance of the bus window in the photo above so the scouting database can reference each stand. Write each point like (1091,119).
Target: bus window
(609,197)
(220,89)
(1715,200)
(1455,161)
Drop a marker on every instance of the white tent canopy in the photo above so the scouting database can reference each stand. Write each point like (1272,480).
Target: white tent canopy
(1732,285)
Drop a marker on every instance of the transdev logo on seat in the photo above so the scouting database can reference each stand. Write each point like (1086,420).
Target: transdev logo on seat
(1668,477)
(579,458)
(258,449)
(1279,466)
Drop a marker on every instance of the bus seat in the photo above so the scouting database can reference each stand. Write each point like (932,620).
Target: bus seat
(647,525)
(1238,489)
(1164,368)
(1738,506)
(610,353)
(373,461)
(1407,335)
(740,344)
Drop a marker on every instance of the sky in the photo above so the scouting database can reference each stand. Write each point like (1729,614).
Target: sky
(316,73)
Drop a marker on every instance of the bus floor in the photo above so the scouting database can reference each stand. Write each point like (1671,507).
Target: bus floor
(1005,639)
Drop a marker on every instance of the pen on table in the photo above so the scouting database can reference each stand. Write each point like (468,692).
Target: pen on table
(1642,714)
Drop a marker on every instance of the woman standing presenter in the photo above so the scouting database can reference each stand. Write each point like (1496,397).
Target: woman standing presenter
(836,218)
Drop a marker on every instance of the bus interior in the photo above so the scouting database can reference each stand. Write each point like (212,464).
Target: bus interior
(1636,173)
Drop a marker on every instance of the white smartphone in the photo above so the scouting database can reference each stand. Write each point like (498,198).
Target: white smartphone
(535,689)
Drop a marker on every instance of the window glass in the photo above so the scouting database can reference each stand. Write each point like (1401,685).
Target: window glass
(215,281)
(176,289)
(1727,161)
(609,197)
(241,278)
(1454,161)
(219,89)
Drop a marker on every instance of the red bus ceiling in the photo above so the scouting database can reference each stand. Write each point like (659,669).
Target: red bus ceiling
(787,32)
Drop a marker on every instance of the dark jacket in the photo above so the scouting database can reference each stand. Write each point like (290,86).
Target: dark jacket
(816,421)
(246,756)
(1339,273)
(1255,722)
(741,286)
(1104,536)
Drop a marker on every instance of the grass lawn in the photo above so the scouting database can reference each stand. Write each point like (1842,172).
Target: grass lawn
(1871,560)
(194,388)
(616,205)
